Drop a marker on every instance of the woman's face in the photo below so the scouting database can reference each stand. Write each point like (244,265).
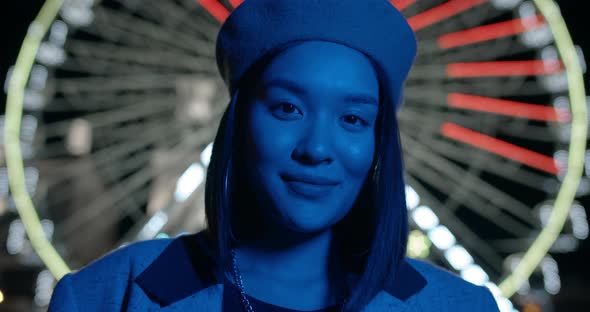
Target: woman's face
(310,134)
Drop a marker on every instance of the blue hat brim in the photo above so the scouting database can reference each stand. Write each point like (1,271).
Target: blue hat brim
(376,28)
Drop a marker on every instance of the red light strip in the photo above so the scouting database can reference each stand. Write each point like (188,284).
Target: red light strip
(216,9)
(235,3)
(504,68)
(401,4)
(489,32)
(441,12)
(506,107)
(499,147)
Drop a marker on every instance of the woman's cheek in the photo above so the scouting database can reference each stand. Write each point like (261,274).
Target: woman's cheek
(272,141)
(357,154)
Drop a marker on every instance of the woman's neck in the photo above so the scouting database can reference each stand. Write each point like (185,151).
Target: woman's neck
(302,258)
(303,272)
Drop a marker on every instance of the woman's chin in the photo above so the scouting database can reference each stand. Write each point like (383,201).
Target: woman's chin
(309,226)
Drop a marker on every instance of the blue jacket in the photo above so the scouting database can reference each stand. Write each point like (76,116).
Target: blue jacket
(176,275)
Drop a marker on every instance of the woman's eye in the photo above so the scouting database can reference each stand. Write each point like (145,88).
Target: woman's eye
(355,120)
(285,108)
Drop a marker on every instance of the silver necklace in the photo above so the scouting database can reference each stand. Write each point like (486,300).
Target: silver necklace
(238,279)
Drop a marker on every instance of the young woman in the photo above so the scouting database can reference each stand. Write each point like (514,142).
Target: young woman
(305,199)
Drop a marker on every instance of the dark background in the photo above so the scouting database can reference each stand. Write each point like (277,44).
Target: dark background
(15,17)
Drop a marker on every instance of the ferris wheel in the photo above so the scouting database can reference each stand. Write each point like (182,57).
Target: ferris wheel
(123,101)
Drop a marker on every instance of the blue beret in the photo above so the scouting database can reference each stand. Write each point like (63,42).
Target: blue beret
(376,28)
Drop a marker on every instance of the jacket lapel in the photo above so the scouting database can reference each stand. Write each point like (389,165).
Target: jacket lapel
(186,267)
(397,290)
(405,283)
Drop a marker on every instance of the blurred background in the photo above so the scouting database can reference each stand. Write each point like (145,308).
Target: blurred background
(116,110)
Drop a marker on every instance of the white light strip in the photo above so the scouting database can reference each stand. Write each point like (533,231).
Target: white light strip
(457,256)
(188,182)
(153,226)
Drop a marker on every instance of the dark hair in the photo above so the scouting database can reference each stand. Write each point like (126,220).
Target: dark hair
(375,230)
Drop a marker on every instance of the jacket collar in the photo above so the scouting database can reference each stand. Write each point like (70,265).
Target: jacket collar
(186,267)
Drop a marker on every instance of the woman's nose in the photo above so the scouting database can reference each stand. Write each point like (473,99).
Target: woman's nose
(314,145)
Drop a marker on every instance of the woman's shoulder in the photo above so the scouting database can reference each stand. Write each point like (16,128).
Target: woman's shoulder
(451,288)
(127,262)
(133,257)
(140,274)
(104,283)
(437,275)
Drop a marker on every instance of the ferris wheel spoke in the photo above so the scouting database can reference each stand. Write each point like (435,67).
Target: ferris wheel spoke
(114,136)
(504,68)
(498,49)
(175,17)
(141,28)
(451,221)
(185,158)
(92,103)
(514,127)
(485,209)
(461,70)
(501,148)
(150,30)
(197,7)
(508,170)
(109,220)
(505,107)
(430,51)
(490,31)
(490,87)
(135,180)
(452,172)
(119,83)
(98,120)
(511,245)
(484,161)
(402,4)
(111,201)
(436,118)
(464,233)
(170,139)
(109,33)
(113,151)
(525,131)
(108,68)
(193,133)
(125,206)
(79,66)
(441,12)
(121,55)
(456,103)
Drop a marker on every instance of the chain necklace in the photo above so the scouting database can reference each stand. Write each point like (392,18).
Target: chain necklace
(238,279)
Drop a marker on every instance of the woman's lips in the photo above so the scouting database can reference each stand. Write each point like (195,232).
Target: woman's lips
(309,190)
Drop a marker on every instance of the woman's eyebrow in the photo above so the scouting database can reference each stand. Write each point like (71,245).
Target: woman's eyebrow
(285,84)
(295,88)
(361,99)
